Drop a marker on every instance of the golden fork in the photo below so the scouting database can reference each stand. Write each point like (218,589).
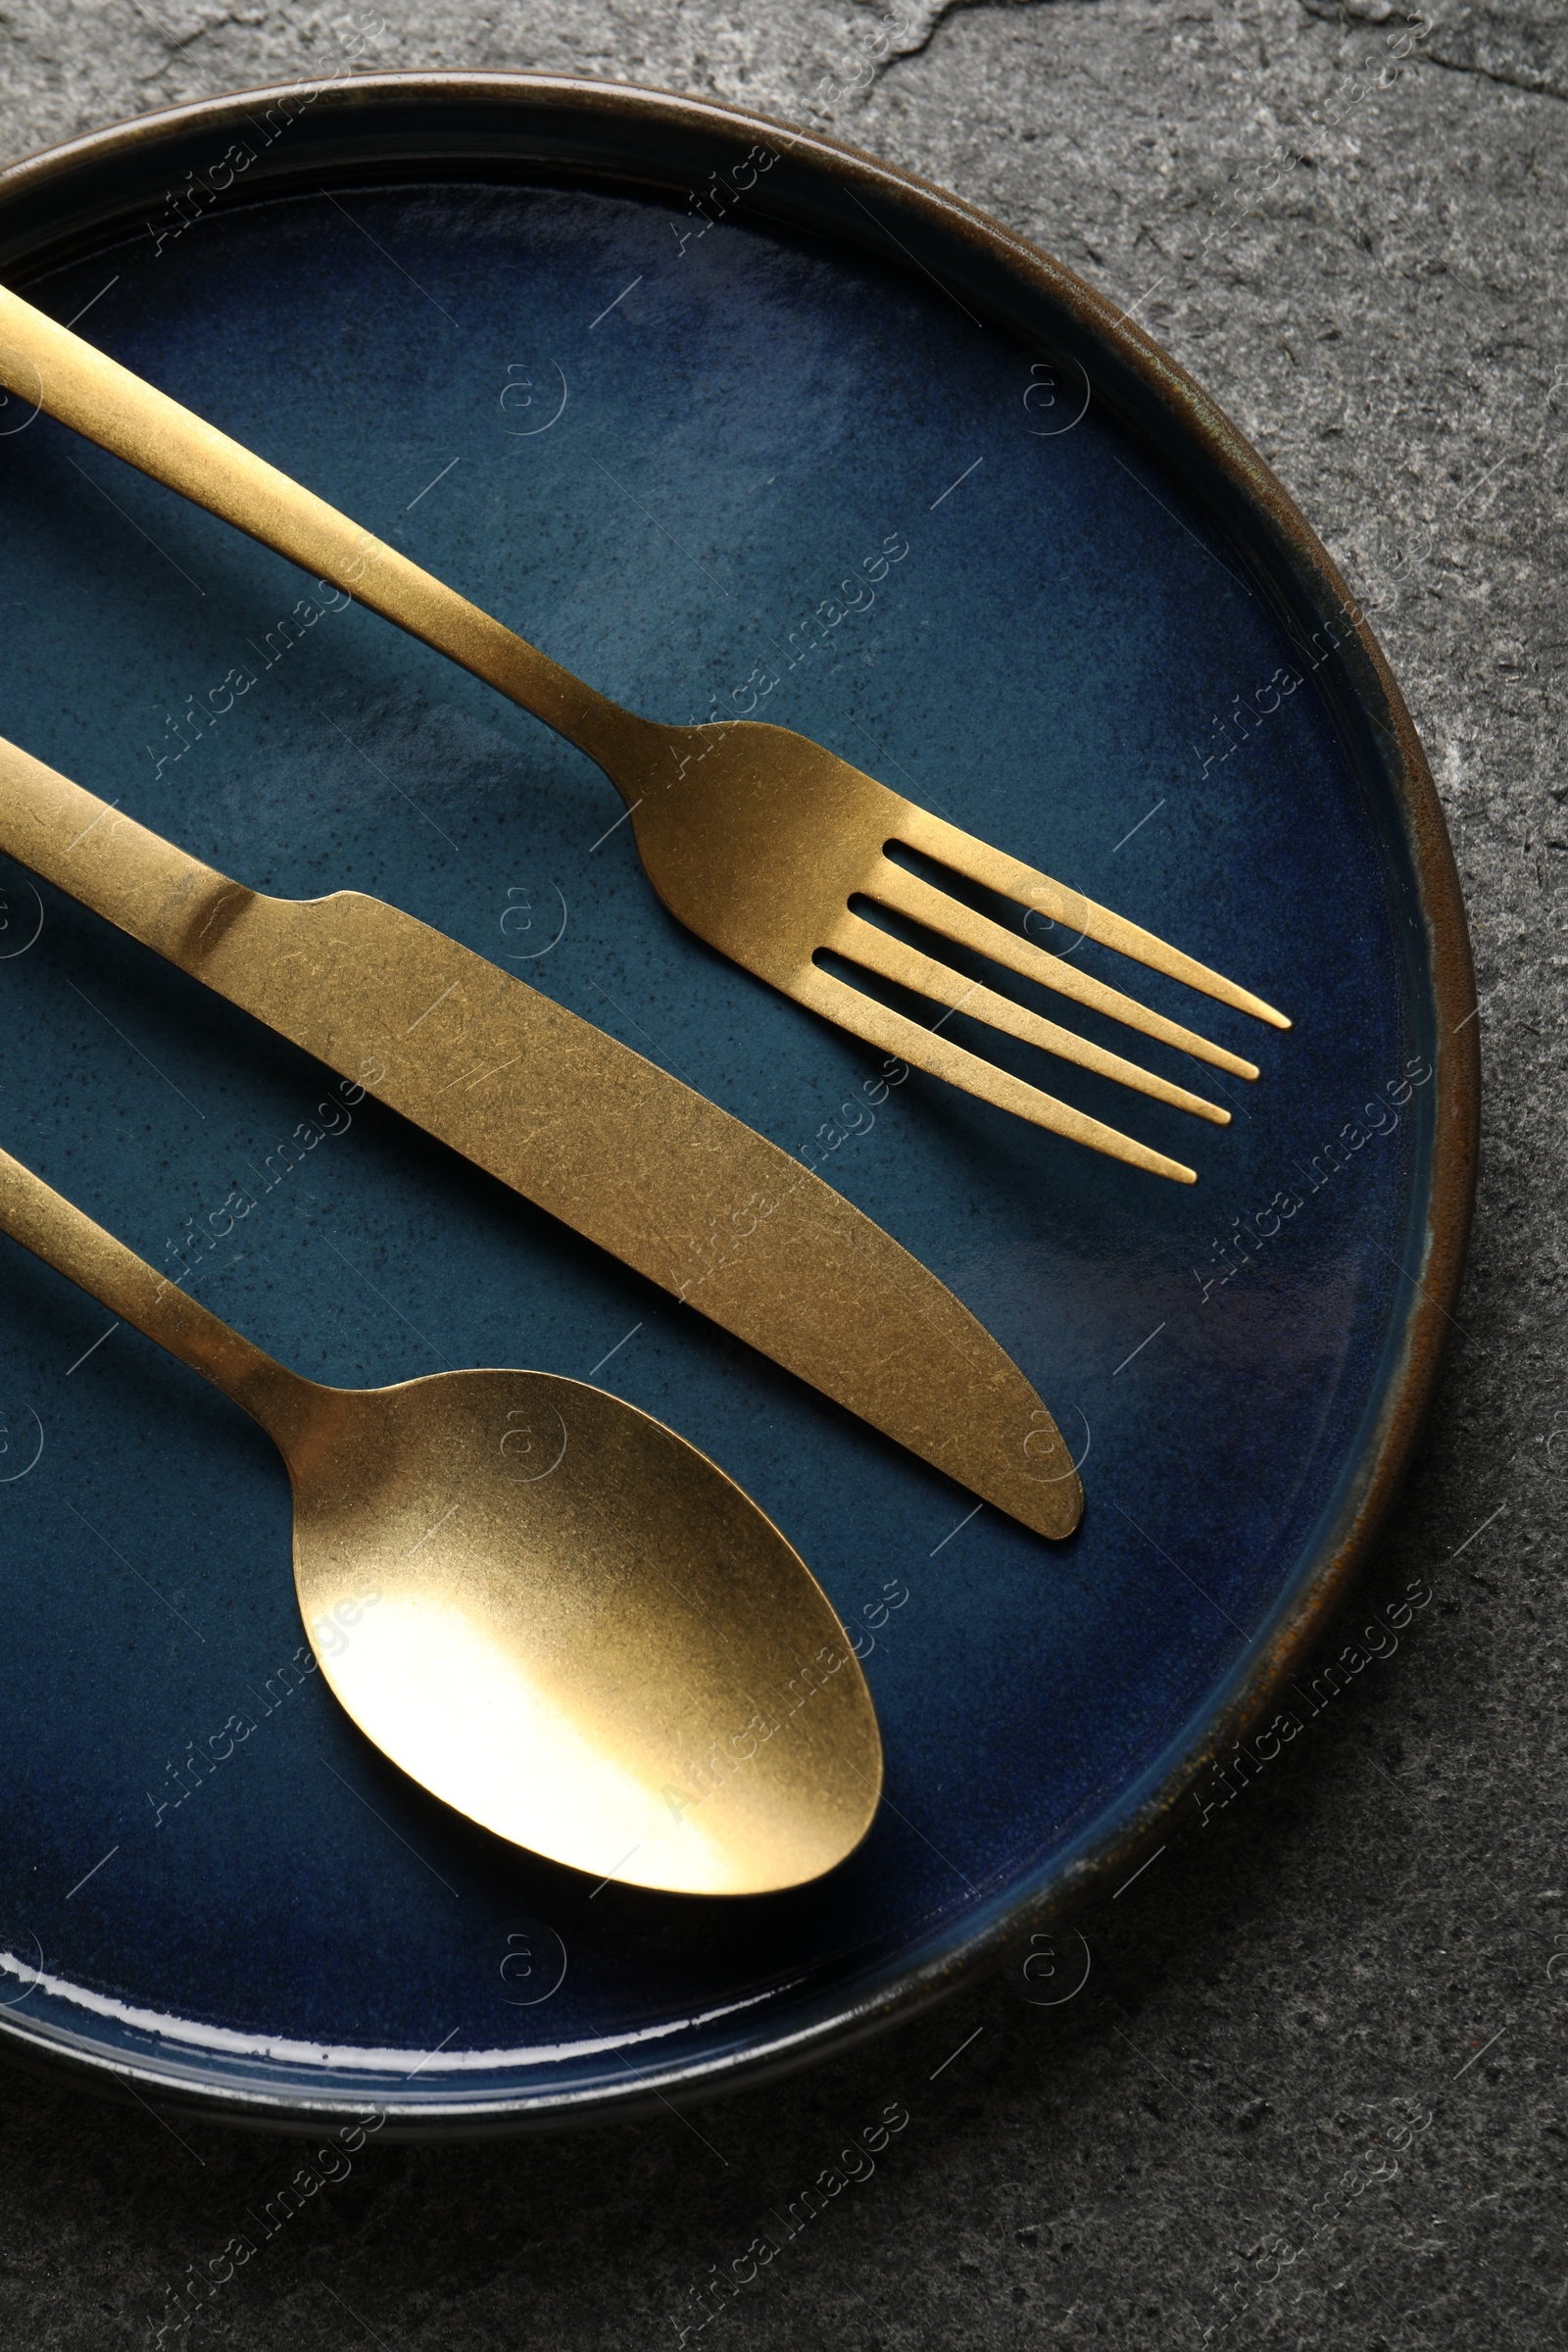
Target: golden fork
(758,840)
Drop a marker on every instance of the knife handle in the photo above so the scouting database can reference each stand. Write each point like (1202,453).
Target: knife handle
(264,955)
(44,364)
(145,886)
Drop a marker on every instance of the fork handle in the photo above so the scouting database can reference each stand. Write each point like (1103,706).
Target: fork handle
(45,365)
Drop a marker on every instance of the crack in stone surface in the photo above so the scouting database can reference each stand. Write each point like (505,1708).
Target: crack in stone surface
(925,21)
(1519,44)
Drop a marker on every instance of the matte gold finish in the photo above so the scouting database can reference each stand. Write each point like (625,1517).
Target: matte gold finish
(603,1139)
(753,836)
(548,1608)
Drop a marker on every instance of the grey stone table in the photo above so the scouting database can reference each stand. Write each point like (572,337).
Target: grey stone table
(1313,2090)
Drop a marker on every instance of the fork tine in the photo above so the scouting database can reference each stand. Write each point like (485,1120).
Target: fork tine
(892,960)
(923,1049)
(896,887)
(991,867)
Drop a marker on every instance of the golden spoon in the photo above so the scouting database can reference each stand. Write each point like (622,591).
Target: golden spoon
(545,1606)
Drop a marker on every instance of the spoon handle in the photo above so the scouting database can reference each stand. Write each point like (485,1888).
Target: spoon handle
(66,1238)
(44,362)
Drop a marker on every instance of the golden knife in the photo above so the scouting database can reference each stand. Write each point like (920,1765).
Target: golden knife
(591,1131)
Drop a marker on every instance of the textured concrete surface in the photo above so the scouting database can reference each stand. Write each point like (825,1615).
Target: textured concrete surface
(1312,2090)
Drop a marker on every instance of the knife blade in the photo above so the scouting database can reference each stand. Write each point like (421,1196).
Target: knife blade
(588,1129)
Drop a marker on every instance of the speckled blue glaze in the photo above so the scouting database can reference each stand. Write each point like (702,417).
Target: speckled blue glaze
(1047,664)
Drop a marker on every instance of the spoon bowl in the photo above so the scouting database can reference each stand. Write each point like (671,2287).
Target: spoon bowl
(569,1624)
(545,1606)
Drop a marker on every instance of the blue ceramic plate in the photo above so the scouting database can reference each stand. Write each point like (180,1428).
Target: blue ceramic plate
(491,321)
